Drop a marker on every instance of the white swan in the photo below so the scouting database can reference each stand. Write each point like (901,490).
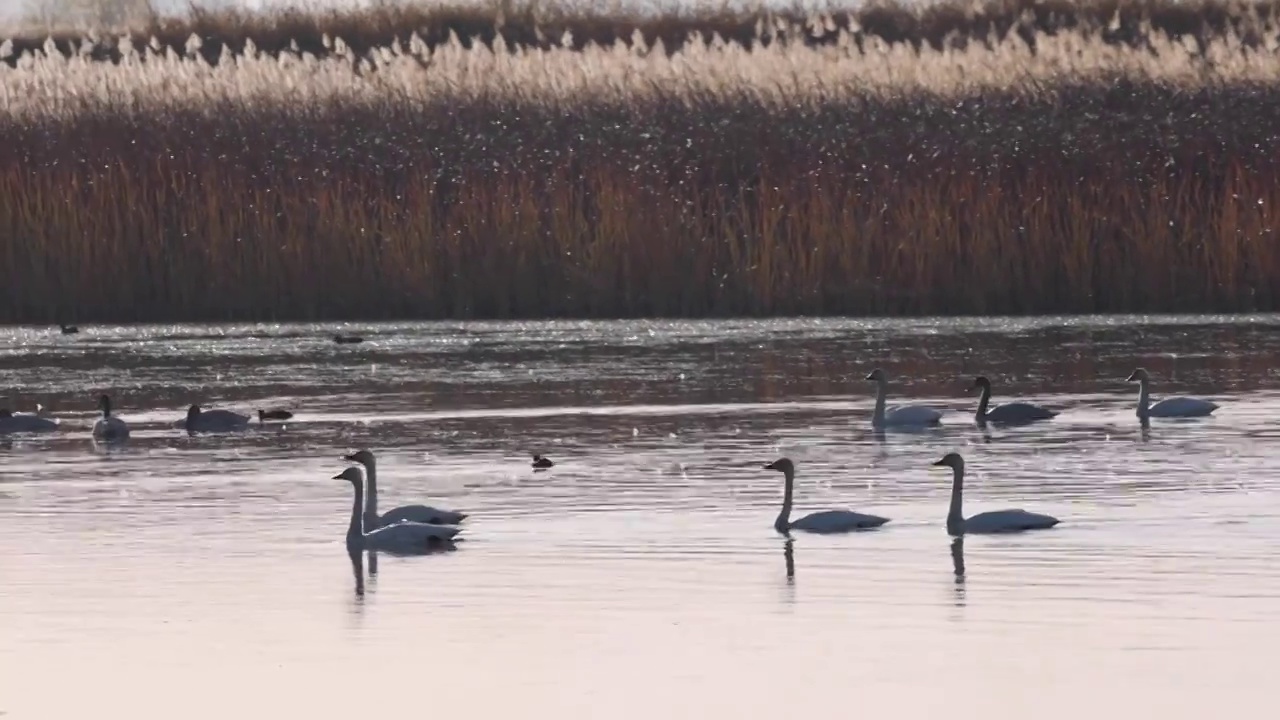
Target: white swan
(1176,407)
(826,521)
(903,416)
(987,523)
(1010,413)
(11,423)
(109,427)
(411,513)
(214,420)
(404,538)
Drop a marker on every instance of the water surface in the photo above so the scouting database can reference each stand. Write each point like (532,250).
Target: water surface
(206,576)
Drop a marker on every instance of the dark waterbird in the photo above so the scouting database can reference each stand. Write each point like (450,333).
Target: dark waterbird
(402,538)
(410,513)
(348,339)
(1015,413)
(274,414)
(68,329)
(542,463)
(825,521)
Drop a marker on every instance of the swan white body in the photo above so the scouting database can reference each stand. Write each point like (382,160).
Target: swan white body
(1176,407)
(403,538)
(109,427)
(25,423)
(1015,413)
(214,420)
(825,521)
(409,513)
(987,523)
(902,416)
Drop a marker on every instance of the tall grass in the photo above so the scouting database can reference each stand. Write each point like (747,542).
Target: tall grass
(1075,163)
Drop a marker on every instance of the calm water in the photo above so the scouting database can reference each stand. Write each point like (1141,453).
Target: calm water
(207,577)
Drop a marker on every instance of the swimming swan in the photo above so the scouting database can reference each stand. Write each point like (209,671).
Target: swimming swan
(987,523)
(404,538)
(11,422)
(1009,413)
(411,513)
(214,420)
(1176,407)
(826,521)
(109,427)
(903,416)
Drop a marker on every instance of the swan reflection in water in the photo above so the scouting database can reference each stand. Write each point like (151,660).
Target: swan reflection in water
(789,556)
(957,567)
(357,569)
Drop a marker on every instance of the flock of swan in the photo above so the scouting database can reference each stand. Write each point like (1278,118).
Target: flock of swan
(413,529)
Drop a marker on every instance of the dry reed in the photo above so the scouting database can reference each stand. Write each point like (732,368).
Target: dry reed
(1059,165)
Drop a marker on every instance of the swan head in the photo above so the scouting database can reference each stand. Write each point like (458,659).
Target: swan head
(353,475)
(878,375)
(364,457)
(1139,375)
(104,403)
(952,460)
(782,465)
(981,382)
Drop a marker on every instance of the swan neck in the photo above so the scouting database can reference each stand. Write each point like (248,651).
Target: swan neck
(984,402)
(877,419)
(355,533)
(955,516)
(1144,398)
(783,523)
(371,504)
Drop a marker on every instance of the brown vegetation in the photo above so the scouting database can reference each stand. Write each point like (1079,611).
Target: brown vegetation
(1035,158)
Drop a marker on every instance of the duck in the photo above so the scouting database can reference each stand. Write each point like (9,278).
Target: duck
(1014,413)
(68,329)
(411,513)
(1175,407)
(902,416)
(12,423)
(987,523)
(109,427)
(214,420)
(542,463)
(822,522)
(274,414)
(402,538)
(347,339)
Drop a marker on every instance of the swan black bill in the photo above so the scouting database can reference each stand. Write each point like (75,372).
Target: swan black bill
(943,461)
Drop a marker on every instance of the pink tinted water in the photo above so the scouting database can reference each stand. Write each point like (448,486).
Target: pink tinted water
(206,577)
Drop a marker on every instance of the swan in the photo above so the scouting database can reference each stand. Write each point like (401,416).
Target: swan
(214,420)
(903,416)
(109,427)
(277,414)
(11,422)
(542,463)
(826,521)
(987,523)
(1176,407)
(411,513)
(1009,413)
(402,538)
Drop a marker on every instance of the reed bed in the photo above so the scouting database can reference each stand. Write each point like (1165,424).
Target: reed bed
(1028,171)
